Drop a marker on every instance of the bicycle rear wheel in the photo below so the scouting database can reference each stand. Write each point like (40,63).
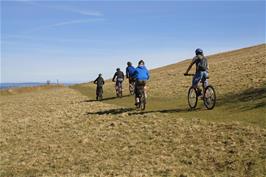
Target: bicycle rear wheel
(209,97)
(120,92)
(142,102)
(131,88)
(192,97)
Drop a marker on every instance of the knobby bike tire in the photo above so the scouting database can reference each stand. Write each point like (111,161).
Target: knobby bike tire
(142,102)
(209,107)
(191,105)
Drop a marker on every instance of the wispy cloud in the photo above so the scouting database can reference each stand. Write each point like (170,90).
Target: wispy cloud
(83,12)
(67,9)
(75,22)
(71,22)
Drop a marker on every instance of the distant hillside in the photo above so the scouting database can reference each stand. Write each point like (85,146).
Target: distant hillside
(27,89)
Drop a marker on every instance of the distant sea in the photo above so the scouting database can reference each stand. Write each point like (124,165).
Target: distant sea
(26,84)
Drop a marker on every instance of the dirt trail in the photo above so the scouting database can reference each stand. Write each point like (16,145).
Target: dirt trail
(59,132)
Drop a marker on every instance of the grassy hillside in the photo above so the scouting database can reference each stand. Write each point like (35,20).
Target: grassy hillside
(65,132)
(238,77)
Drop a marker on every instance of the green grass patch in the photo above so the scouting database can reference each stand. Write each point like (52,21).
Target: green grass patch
(247,107)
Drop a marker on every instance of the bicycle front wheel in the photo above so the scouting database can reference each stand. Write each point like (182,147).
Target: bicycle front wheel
(142,102)
(192,97)
(209,97)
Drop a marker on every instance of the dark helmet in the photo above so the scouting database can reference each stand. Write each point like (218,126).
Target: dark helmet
(141,62)
(100,75)
(198,51)
(129,63)
(117,69)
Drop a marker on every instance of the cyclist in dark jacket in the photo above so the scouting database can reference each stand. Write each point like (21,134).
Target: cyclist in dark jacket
(99,81)
(118,78)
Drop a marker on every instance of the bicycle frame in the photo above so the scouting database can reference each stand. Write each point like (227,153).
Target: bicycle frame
(201,81)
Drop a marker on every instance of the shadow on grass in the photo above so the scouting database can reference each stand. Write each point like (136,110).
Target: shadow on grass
(105,99)
(138,112)
(112,111)
(246,100)
(163,111)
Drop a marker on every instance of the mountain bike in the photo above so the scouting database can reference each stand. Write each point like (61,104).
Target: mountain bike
(118,88)
(99,93)
(141,96)
(209,95)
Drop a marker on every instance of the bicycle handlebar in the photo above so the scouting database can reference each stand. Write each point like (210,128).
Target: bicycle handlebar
(194,75)
(189,74)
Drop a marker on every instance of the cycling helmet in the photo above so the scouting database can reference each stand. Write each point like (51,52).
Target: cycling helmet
(198,51)
(141,62)
(129,63)
(117,69)
(100,75)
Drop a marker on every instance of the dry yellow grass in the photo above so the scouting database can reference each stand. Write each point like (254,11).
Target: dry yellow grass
(57,133)
(15,91)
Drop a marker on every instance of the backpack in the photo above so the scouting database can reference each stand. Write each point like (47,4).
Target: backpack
(202,64)
(100,82)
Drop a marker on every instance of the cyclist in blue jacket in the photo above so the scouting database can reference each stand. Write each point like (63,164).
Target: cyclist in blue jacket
(141,75)
(129,70)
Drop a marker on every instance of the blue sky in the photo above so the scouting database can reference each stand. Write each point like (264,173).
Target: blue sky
(73,41)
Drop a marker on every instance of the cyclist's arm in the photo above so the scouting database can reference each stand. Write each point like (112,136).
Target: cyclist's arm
(127,73)
(191,64)
(114,77)
(189,67)
(95,81)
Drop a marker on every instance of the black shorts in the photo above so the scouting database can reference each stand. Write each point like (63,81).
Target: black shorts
(139,86)
(99,90)
(117,83)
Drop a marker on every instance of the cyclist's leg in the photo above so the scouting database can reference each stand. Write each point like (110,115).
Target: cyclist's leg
(121,85)
(130,80)
(144,89)
(116,84)
(204,79)
(196,80)
(136,93)
(97,93)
